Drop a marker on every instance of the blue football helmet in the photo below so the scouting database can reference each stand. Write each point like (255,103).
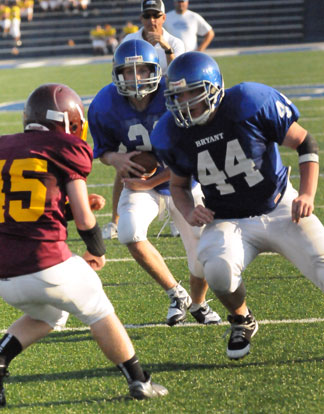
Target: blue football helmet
(187,72)
(131,54)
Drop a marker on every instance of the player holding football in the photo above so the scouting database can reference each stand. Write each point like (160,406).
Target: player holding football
(167,48)
(40,168)
(228,140)
(126,111)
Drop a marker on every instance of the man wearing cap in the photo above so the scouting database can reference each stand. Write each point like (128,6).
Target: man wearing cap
(153,17)
(188,25)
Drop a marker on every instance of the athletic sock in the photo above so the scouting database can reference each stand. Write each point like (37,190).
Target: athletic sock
(132,370)
(195,306)
(178,291)
(10,347)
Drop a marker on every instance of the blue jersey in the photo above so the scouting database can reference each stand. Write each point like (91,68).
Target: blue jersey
(235,156)
(113,121)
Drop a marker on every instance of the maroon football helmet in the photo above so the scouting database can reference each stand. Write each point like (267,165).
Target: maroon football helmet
(57,108)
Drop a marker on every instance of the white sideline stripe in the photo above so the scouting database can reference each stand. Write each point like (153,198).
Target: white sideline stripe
(100,185)
(130,259)
(321,175)
(110,214)
(191,324)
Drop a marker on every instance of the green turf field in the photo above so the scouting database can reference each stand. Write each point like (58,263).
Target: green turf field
(284,373)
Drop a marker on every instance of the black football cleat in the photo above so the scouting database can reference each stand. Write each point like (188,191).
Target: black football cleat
(243,328)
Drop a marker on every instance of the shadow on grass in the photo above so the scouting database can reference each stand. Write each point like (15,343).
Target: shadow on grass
(121,398)
(77,336)
(153,368)
(67,336)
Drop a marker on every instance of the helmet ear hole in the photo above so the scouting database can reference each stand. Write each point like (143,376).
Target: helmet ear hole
(56,107)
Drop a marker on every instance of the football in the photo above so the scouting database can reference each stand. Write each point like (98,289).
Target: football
(147,160)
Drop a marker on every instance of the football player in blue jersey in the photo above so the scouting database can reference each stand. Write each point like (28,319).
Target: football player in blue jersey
(125,112)
(167,47)
(228,140)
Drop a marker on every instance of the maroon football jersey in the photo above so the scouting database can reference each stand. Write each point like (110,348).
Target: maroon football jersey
(34,169)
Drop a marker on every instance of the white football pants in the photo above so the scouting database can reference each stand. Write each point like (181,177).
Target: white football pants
(137,210)
(51,294)
(226,246)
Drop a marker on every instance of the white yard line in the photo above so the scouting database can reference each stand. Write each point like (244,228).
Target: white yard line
(264,322)
(130,259)
(191,324)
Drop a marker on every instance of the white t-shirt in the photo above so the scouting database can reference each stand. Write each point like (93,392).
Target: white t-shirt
(187,26)
(176,44)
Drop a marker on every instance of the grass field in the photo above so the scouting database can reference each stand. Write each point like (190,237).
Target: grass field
(284,373)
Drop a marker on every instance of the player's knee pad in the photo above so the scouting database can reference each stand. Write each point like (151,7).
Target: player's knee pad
(125,235)
(196,268)
(129,233)
(219,276)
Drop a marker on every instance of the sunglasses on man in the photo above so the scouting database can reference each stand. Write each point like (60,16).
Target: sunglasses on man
(152,15)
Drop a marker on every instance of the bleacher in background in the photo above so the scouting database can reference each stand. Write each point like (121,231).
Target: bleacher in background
(236,23)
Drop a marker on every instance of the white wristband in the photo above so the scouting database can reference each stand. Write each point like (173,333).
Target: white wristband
(308,158)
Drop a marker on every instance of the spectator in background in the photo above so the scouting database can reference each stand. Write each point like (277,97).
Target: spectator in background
(26,9)
(127,29)
(5,19)
(15,22)
(98,38)
(188,25)
(83,6)
(168,47)
(69,6)
(46,5)
(110,38)
(103,39)
(153,17)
